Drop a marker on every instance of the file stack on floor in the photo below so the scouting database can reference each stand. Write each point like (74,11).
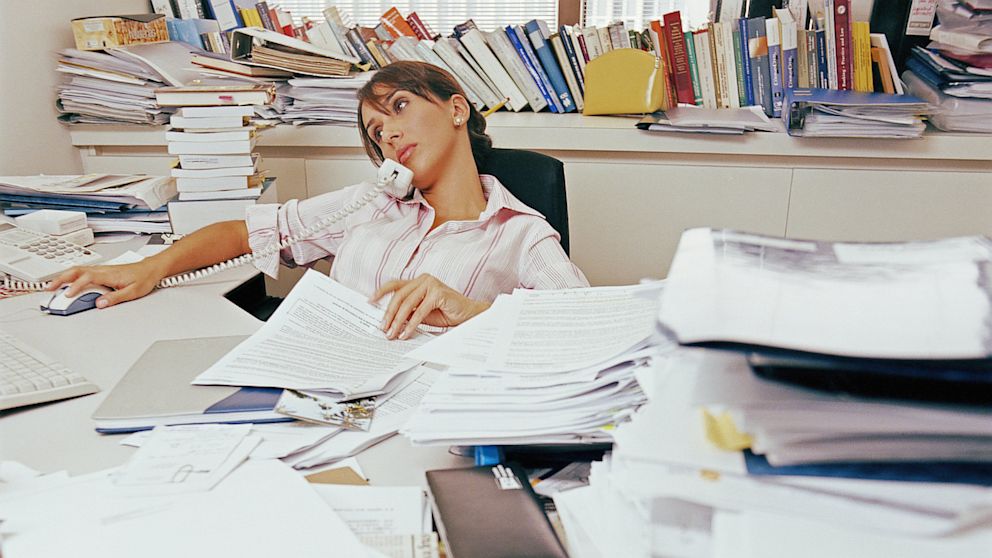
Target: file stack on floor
(864,429)
(954,73)
(541,367)
(113,204)
(105,89)
(322,100)
(217,174)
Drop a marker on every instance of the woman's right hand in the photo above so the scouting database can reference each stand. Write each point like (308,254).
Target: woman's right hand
(129,281)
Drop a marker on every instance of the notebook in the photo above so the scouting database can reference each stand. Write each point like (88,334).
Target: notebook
(490,512)
(157,390)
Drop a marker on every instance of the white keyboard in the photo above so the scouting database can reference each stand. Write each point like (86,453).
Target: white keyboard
(28,376)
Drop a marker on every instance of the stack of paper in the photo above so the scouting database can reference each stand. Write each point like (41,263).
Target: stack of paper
(323,100)
(324,341)
(955,71)
(134,203)
(678,480)
(852,114)
(540,367)
(106,89)
(694,119)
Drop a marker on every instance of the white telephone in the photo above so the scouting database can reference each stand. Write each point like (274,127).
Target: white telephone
(392,176)
(36,256)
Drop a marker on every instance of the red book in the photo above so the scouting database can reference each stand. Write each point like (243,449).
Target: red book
(845,46)
(581,39)
(395,23)
(419,27)
(675,41)
(666,62)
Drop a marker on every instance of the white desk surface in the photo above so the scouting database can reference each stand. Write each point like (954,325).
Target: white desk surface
(103,344)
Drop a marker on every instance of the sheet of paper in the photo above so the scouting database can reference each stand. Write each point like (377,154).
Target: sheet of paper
(376,510)
(188,457)
(278,439)
(469,345)
(237,518)
(323,337)
(572,328)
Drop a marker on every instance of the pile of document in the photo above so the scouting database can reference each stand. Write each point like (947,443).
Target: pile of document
(322,100)
(125,203)
(833,113)
(674,485)
(541,367)
(692,119)
(106,89)
(865,425)
(954,72)
(324,343)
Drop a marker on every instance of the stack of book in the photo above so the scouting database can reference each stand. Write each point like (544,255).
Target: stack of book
(864,425)
(217,175)
(955,72)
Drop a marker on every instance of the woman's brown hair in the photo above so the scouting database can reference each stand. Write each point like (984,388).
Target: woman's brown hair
(427,81)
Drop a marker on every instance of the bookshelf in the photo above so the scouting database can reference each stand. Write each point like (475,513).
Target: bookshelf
(631,193)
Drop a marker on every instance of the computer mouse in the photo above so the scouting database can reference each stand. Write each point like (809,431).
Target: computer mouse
(61,305)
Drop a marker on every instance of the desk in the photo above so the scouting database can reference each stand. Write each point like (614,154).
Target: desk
(103,344)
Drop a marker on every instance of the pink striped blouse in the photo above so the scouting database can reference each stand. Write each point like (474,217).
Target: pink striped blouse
(510,245)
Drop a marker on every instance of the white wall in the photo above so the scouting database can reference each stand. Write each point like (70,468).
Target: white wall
(32,141)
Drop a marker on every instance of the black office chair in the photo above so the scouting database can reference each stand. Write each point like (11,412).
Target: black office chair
(535,179)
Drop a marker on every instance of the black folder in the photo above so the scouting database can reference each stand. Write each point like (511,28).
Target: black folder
(490,512)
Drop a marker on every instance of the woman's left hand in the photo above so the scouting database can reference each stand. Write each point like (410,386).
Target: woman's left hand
(424,300)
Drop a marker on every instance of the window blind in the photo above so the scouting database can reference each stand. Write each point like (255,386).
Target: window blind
(440,15)
(637,13)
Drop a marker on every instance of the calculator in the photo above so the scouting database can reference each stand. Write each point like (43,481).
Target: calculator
(34,256)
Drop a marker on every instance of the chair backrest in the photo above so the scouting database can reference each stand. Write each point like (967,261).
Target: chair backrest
(535,179)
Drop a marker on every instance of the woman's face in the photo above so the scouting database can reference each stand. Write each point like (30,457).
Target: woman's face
(413,131)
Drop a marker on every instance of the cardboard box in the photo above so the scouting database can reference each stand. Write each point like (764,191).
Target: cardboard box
(97,33)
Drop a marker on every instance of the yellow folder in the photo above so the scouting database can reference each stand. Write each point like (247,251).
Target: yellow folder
(625,81)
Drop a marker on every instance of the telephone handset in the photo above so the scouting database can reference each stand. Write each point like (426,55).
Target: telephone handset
(392,177)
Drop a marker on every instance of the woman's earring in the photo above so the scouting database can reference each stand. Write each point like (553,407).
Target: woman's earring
(458,121)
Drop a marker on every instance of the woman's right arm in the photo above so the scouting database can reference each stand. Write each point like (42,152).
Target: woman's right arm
(210,245)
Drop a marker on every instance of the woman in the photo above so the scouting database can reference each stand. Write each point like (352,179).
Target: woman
(444,253)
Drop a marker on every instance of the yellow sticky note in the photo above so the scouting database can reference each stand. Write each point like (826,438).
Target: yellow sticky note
(723,433)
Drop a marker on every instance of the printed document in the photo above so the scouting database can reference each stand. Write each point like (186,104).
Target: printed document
(573,328)
(542,332)
(324,337)
(191,457)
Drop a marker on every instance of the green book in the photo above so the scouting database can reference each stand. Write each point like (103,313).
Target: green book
(739,64)
(697,89)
